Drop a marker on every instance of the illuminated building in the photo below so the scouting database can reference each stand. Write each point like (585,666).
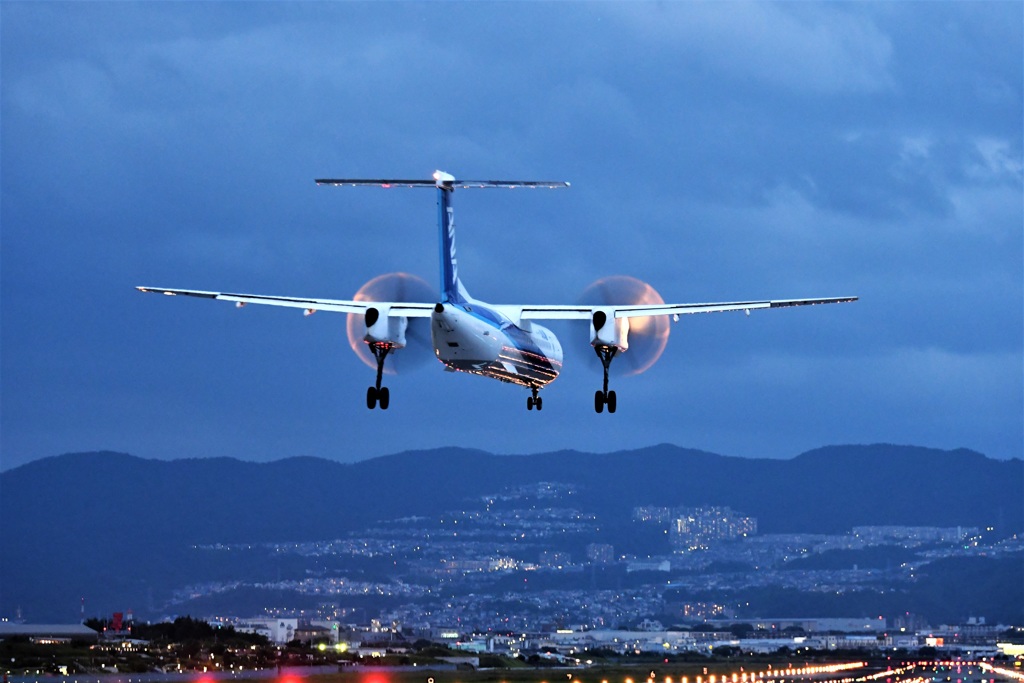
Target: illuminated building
(600,553)
(553,559)
(697,528)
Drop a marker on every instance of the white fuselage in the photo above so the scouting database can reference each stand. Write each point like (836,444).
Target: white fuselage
(473,337)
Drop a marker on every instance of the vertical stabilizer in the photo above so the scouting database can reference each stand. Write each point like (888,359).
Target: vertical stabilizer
(451,287)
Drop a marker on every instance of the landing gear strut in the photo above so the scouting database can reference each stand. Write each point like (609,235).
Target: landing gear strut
(534,400)
(603,397)
(378,393)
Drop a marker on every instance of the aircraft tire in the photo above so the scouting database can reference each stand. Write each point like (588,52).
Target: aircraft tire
(611,401)
(371,398)
(385,398)
(598,401)
(529,402)
(539,402)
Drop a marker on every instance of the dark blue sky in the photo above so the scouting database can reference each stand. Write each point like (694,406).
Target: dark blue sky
(718,151)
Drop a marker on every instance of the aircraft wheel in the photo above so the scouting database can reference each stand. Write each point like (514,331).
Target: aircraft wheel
(598,401)
(539,402)
(371,398)
(611,401)
(385,398)
(529,403)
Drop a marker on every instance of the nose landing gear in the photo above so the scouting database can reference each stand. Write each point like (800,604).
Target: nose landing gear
(378,394)
(603,397)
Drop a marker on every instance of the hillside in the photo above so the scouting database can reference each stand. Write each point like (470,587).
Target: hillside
(109,524)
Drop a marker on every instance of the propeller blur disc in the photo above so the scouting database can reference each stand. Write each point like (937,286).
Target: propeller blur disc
(647,335)
(401,287)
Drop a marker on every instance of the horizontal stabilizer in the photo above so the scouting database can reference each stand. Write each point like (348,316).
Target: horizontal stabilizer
(442,181)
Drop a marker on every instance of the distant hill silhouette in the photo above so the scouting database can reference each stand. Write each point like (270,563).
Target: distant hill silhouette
(115,525)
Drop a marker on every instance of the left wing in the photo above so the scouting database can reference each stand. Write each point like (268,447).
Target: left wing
(583,311)
(310,306)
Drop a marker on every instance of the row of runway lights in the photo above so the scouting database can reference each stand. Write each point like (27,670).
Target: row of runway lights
(766,676)
(1009,673)
(901,671)
(779,675)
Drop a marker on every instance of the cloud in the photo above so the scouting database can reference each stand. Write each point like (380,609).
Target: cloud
(716,150)
(999,162)
(924,396)
(799,47)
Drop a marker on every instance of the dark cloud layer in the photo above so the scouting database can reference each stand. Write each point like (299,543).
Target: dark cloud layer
(717,151)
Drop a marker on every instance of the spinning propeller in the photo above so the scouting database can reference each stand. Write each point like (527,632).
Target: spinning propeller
(401,287)
(647,335)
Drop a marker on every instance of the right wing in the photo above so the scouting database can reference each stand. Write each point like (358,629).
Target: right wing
(584,311)
(408,310)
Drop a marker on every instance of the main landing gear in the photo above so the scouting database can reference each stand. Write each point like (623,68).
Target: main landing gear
(534,400)
(378,394)
(603,397)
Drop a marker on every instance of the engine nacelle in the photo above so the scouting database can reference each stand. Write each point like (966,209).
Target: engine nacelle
(607,330)
(382,328)
(647,335)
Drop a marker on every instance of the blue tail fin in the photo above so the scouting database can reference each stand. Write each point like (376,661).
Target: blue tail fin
(451,287)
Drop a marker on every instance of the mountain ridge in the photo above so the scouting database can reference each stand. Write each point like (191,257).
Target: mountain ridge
(81,519)
(831,450)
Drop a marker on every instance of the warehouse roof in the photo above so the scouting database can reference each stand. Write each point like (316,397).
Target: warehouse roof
(9,629)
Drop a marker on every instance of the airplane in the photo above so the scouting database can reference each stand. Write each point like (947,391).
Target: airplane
(502,342)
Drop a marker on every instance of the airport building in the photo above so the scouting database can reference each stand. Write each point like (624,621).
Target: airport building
(278,631)
(816,625)
(48,634)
